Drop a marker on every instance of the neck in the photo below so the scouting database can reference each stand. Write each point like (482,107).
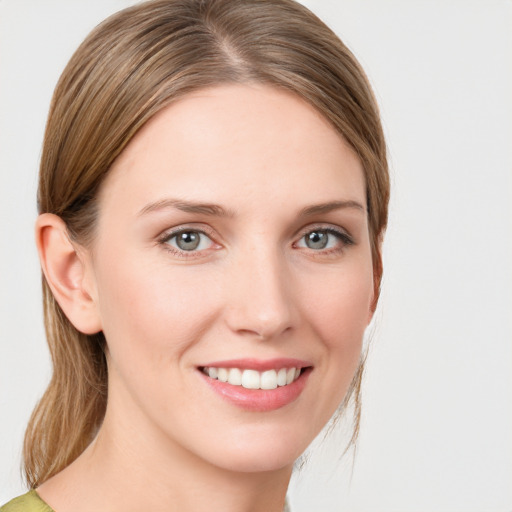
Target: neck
(121,471)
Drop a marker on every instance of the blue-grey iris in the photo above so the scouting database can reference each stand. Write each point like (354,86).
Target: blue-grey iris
(188,240)
(317,239)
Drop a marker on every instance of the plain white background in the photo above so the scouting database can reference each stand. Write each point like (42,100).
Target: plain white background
(437,421)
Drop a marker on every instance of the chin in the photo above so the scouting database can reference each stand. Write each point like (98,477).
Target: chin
(249,462)
(260,449)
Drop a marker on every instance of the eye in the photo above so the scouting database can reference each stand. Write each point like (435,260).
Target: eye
(188,240)
(323,239)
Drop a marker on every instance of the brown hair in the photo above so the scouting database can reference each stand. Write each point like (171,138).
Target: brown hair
(130,67)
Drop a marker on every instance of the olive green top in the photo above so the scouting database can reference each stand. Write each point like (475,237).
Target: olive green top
(30,502)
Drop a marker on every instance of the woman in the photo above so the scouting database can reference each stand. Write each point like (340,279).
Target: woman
(213,194)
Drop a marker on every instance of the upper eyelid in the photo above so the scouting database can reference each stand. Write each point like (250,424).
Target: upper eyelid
(322,227)
(171,232)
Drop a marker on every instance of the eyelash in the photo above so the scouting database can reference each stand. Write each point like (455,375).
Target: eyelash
(168,236)
(343,238)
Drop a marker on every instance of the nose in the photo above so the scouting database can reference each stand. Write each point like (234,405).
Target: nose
(260,300)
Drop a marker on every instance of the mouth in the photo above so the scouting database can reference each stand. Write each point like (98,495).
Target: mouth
(257,385)
(253,379)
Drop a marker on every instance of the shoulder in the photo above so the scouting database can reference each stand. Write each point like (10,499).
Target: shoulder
(29,502)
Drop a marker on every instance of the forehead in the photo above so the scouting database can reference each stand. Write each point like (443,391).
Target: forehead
(234,143)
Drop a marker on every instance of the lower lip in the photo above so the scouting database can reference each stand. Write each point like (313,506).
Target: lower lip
(259,400)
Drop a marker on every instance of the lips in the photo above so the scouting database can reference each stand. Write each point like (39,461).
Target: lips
(257,385)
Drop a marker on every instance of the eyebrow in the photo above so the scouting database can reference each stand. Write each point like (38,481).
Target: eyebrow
(219,211)
(187,206)
(331,206)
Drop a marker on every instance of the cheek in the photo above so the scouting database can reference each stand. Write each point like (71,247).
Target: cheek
(338,311)
(154,312)
(339,304)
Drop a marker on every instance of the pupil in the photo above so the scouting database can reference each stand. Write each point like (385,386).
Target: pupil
(316,240)
(188,241)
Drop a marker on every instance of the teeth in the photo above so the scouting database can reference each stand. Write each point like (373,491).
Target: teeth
(222,374)
(281,377)
(269,380)
(252,379)
(235,377)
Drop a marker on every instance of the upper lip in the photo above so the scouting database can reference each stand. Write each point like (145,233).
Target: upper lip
(260,365)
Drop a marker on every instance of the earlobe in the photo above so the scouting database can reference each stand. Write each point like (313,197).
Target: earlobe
(67,274)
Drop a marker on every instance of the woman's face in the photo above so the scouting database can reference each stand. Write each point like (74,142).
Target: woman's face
(232,241)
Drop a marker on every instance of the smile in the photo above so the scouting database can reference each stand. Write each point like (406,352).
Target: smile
(256,385)
(253,379)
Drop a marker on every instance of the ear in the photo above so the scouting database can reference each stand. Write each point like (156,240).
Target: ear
(68,273)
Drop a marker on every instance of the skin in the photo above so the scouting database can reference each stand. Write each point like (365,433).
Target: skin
(253,289)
